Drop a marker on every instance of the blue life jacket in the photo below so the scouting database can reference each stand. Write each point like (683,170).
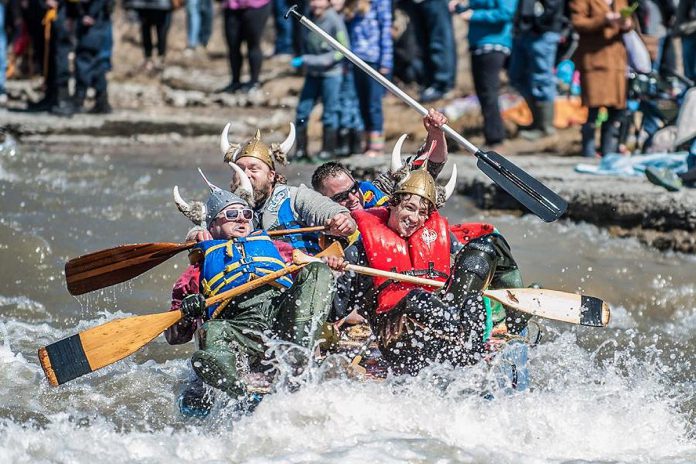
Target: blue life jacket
(307,242)
(372,196)
(230,263)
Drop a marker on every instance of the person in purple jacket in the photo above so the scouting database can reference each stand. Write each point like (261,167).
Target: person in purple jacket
(369,32)
(244,22)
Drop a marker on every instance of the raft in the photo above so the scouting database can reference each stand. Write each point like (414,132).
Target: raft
(506,357)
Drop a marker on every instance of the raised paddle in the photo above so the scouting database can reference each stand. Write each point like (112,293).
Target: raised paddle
(538,198)
(112,266)
(550,304)
(105,344)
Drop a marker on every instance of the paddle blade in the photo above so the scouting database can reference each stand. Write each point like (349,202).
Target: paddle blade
(100,346)
(534,195)
(104,268)
(552,304)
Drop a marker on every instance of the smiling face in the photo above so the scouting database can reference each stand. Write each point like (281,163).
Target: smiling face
(408,214)
(260,175)
(224,229)
(341,188)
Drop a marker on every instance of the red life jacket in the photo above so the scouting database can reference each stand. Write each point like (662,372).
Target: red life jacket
(468,231)
(426,253)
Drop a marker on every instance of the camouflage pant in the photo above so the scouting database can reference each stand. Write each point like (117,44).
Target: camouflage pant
(296,315)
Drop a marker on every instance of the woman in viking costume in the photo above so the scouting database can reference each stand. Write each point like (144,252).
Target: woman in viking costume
(230,335)
(417,325)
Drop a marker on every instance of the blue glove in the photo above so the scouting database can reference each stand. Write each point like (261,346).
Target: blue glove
(193,307)
(297,62)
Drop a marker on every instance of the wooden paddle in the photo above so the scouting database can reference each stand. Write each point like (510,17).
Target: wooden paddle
(538,198)
(112,266)
(105,344)
(550,304)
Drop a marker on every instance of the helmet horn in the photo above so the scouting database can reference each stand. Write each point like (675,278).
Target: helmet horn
(396,155)
(289,141)
(451,184)
(245,188)
(225,145)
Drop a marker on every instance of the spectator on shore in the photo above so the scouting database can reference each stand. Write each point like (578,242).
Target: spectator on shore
(408,56)
(153,14)
(199,23)
(490,42)
(369,25)
(686,27)
(432,23)
(283,28)
(537,32)
(245,21)
(602,61)
(323,76)
(349,136)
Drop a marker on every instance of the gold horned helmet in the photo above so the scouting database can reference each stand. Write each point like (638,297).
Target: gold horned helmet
(256,148)
(417,180)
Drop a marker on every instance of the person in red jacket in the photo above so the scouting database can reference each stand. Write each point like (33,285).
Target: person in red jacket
(418,325)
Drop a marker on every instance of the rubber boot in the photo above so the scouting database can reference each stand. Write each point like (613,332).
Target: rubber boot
(547,112)
(301,141)
(343,142)
(78,100)
(472,271)
(587,131)
(355,141)
(328,145)
(101,104)
(64,105)
(609,135)
(216,364)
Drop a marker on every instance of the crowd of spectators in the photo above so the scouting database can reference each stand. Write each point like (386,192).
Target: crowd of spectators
(412,41)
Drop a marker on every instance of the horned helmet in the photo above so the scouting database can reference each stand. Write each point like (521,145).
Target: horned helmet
(256,148)
(417,180)
(203,214)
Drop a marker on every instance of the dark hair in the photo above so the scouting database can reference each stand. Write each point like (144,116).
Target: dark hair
(326,170)
(397,198)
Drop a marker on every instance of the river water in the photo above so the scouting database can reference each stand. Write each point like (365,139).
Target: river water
(621,394)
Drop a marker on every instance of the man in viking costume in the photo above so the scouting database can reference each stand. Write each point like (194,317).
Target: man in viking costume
(335,181)
(277,205)
(230,334)
(417,325)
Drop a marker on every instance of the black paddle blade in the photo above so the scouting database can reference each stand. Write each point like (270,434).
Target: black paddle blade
(534,195)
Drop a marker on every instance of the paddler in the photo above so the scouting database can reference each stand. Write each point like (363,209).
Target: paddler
(334,180)
(230,345)
(277,205)
(416,325)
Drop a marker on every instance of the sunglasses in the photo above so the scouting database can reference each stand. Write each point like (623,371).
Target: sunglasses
(343,196)
(234,214)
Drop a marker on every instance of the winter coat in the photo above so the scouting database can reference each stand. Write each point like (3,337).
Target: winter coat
(601,56)
(491,23)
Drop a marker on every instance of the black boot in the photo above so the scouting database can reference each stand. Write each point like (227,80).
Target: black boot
(472,271)
(301,141)
(101,104)
(355,141)
(45,104)
(328,145)
(64,104)
(343,142)
(78,100)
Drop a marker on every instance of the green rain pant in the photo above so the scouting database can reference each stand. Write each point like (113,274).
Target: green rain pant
(232,345)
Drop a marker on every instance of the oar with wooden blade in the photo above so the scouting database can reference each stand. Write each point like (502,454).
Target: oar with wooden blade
(112,266)
(105,344)
(538,198)
(550,304)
